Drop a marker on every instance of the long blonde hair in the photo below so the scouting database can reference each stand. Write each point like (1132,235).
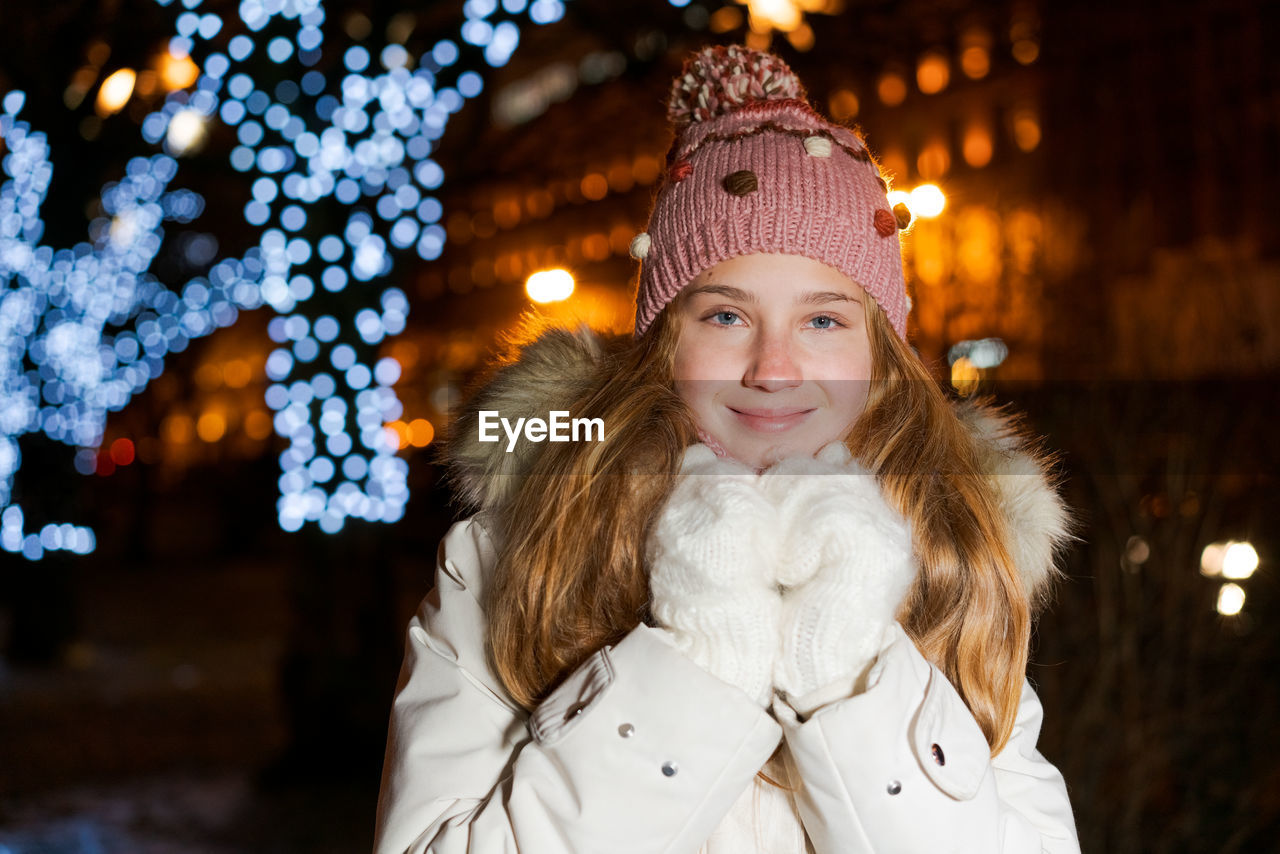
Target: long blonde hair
(571,577)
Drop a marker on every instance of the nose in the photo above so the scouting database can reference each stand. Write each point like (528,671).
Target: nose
(772,365)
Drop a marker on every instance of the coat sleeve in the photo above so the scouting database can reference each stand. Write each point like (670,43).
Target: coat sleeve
(904,767)
(638,750)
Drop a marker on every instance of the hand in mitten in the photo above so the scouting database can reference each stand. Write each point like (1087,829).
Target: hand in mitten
(711,559)
(846,565)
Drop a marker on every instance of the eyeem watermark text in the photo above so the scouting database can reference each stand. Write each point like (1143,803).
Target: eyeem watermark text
(558,427)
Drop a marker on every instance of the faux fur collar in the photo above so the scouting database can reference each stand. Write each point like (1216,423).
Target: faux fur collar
(557,365)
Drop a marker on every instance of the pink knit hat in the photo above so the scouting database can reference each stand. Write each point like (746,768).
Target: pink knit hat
(754,168)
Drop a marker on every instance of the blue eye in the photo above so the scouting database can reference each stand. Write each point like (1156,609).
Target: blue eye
(724,318)
(824,322)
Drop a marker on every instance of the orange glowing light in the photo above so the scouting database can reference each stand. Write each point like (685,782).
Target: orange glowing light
(115,91)
(1026,129)
(844,105)
(237,373)
(211,427)
(934,160)
(177,428)
(177,72)
(976,62)
(891,88)
(421,432)
(933,73)
(594,187)
(257,425)
(209,376)
(977,145)
(646,168)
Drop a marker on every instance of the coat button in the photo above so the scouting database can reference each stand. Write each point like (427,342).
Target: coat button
(669,769)
(626,730)
(938,755)
(894,787)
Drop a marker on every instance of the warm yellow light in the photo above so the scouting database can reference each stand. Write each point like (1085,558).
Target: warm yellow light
(932,73)
(899,197)
(594,187)
(843,105)
(1026,51)
(976,62)
(725,19)
(977,145)
(209,376)
(1026,129)
(237,373)
(1230,599)
(934,160)
(186,131)
(1239,561)
(801,38)
(549,285)
(176,428)
(115,91)
(257,425)
(927,200)
(646,168)
(784,15)
(177,72)
(892,89)
(211,427)
(965,376)
(421,432)
(1211,559)
(595,247)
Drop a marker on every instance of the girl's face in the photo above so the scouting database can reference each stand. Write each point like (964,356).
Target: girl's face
(773,358)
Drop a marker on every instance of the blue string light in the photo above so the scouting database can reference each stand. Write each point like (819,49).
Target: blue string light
(84,329)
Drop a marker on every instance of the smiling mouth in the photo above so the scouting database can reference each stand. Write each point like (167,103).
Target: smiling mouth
(770,420)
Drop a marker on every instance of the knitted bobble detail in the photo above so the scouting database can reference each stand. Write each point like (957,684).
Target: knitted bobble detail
(886,223)
(902,215)
(719,79)
(741,183)
(817,146)
(640,246)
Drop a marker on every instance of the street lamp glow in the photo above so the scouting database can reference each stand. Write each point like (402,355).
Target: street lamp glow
(115,91)
(1230,599)
(186,131)
(1211,559)
(1239,561)
(927,200)
(549,285)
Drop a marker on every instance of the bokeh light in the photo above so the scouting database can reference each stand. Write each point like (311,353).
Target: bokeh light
(546,286)
(303,138)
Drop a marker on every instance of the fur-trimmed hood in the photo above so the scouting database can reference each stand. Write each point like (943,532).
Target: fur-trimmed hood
(558,364)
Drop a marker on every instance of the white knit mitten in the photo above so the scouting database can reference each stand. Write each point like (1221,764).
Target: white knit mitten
(711,557)
(846,565)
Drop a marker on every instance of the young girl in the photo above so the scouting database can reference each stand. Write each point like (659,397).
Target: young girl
(783,605)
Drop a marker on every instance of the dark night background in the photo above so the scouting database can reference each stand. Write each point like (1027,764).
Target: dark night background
(204,681)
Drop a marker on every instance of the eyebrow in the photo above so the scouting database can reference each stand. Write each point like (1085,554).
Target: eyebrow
(739,295)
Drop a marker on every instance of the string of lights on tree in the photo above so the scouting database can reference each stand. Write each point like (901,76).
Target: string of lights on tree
(84,329)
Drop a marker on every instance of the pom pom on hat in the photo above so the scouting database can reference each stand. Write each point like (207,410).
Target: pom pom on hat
(717,80)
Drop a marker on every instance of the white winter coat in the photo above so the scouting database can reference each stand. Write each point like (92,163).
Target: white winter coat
(641,750)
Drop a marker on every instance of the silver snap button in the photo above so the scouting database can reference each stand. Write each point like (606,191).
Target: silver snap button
(894,787)
(669,769)
(626,730)
(938,755)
